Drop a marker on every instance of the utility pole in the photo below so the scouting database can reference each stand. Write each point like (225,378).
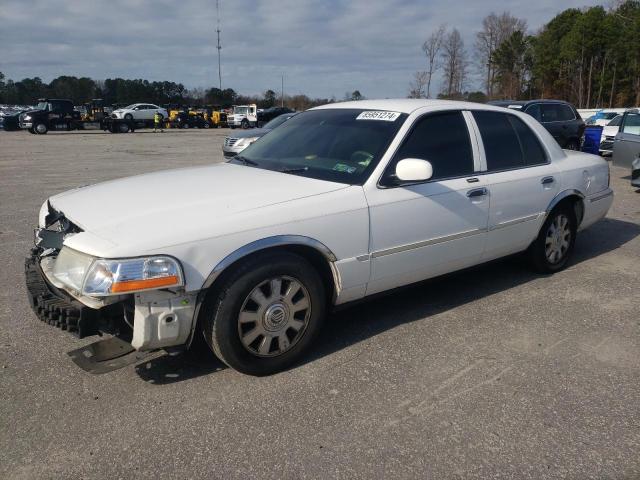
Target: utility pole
(219,47)
(282,94)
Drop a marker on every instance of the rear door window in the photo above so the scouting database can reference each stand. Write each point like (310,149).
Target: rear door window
(501,143)
(556,112)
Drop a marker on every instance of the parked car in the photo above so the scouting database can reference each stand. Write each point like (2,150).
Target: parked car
(269,114)
(234,144)
(139,111)
(603,117)
(609,132)
(11,120)
(626,145)
(341,202)
(184,120)
(560,118)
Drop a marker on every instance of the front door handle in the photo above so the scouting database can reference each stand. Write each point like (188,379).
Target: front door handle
(547,180)
(477,192)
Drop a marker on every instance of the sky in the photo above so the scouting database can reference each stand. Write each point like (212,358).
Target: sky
(324,48)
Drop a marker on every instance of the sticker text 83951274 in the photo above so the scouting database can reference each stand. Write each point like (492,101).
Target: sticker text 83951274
(378,115)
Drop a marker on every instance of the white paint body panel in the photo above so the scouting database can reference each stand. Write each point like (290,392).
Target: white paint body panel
(381,238)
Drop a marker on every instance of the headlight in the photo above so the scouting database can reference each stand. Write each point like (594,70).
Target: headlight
(27,117)
(101,277)
(245,142)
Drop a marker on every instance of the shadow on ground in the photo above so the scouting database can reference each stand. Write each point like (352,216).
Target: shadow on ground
(359,322)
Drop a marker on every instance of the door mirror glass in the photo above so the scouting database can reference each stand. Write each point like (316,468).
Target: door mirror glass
(413,170)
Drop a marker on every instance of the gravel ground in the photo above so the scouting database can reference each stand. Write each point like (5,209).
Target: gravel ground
(494,373)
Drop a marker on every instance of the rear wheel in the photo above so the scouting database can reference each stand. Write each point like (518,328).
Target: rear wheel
(550,252)
(573,144)
(266,313)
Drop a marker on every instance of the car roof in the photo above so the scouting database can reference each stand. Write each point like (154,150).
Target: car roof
(408,105)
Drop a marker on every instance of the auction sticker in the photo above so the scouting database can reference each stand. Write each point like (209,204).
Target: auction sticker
(378,115)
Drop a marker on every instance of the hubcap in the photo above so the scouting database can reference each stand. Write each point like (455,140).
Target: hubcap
(274,316)
(558,239)
(40,128)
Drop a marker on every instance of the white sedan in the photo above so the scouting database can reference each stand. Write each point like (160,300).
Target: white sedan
(139,111)
(339,203)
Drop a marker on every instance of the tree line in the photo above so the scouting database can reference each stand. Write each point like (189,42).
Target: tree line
(589,57)
(116,91)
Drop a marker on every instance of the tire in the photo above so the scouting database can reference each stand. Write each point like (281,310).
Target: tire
(128,117)
(123,128)
(552,249)
(245,124)
(32,131)
(573,144)
(40,128)
(269,338)
(206,125)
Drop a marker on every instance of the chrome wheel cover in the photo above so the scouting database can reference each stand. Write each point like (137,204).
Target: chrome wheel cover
(558,239)
(41,128)
(274,316)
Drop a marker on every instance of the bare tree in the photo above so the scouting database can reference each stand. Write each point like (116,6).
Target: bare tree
(454,63)
(417,86)
(495,30)
(431,48)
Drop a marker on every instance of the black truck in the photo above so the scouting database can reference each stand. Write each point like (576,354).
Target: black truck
(60,114)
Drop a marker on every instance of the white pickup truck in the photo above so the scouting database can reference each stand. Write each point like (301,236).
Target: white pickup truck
(337,204)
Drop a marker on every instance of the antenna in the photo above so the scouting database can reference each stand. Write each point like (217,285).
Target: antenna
(219,47)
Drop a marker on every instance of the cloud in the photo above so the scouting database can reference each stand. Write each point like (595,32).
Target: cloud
(323,47)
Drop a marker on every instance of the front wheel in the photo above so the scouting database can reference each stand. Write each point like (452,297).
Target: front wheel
(245,124)
(128,117)
(266,314)
(551,250)
(41,128)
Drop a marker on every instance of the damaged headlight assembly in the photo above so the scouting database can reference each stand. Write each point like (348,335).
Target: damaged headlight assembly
(97,277)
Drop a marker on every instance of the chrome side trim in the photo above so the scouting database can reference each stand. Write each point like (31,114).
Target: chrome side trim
(600,197)
(562,195)
(262,244)
(363,258)
(424,243)
(516,221)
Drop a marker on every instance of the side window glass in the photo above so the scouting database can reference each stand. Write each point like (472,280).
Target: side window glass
(631,123)
(443,140)
(549,113)
(534,111)
(532,150)
(565,113)
(501,144)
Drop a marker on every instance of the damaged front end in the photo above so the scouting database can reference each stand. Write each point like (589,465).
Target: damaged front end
(140,300)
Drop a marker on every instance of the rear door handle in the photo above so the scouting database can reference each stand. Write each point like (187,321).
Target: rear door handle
(477,192)
(547,180)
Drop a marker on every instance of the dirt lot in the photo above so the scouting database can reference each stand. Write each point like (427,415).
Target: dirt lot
(496,372)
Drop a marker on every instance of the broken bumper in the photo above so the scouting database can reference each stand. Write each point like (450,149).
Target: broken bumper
(59,309)
(160,318)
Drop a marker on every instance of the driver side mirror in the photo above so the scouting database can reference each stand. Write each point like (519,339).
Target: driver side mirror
(413,170)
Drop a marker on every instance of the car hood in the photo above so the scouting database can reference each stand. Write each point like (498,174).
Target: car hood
(172,206)
(254,132)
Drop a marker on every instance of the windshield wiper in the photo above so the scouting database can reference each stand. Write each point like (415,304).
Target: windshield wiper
(294,170)
(245,161)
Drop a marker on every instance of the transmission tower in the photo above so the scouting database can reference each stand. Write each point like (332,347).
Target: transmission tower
(219,47)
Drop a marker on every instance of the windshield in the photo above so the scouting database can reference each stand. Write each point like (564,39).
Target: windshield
(241,110)
(41,106)
(339,145)
(617,120)
(130,107)
(277,121)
